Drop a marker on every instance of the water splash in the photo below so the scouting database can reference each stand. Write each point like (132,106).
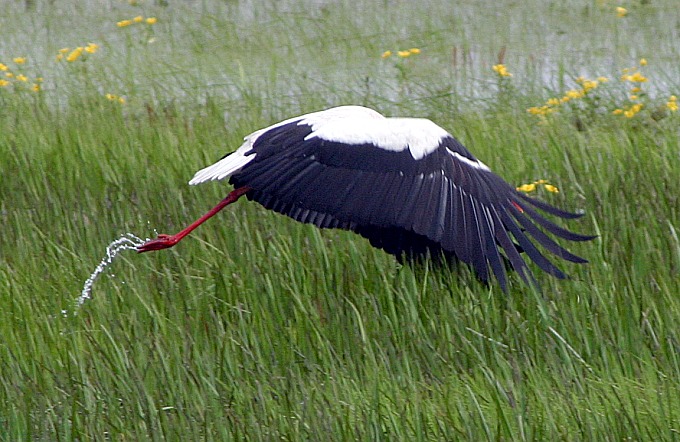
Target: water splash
(127,241)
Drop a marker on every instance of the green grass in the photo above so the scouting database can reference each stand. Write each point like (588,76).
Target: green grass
(260,328)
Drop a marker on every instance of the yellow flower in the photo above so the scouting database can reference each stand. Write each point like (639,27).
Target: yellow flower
(635,90)
(151,20)
(414,51)
(617,111)
(124,23)
(633,97)
(551,188)
(602,79)
(501,70)
(386,54)
(621,11)
(574,93)
(3,67)
(91,48)
(4,83)
(9,75)
(60,56)
(589,85)
(20,60)
(643,62)
(35,87)
(672,103)
(404,54)
(633,110)
(75,54)
(22,77)
(138,19)
(64,50)
(636,77)
(112,97)
(553,102)
(527,187)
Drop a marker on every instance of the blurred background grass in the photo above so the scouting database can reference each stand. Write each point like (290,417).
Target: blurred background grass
(257,327)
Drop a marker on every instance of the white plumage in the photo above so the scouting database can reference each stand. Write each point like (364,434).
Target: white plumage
(405,184)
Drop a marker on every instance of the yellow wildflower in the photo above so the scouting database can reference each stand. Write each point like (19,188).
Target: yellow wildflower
(91,48)
(3,67)
(633,97)
(151,20)
(138,19)
(35,87)
(643,62)
(9,75)
(672,103)
(635,90)
(75,54)
(404,54)
(527,187)
(124,23)
(574,93)
(633,110)
(636,77)
(551,188)
(617,111)
(501,70)
(414,51)
(541,182)
(386,54)
(64,50)
(112,97)
(22,77)
(621,11)
(20,60)
(553,102)
(4,82)
(589,85)
(602,79)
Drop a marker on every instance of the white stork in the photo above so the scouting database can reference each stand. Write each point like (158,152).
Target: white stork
(405,184)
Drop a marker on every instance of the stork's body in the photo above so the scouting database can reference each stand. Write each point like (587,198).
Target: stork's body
(404,183)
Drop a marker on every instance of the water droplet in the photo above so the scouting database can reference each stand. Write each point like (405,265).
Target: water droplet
(127,241)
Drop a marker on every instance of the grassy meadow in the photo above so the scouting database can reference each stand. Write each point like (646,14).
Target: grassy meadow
(259,328)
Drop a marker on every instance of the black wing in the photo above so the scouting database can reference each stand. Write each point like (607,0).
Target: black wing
(445,201)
